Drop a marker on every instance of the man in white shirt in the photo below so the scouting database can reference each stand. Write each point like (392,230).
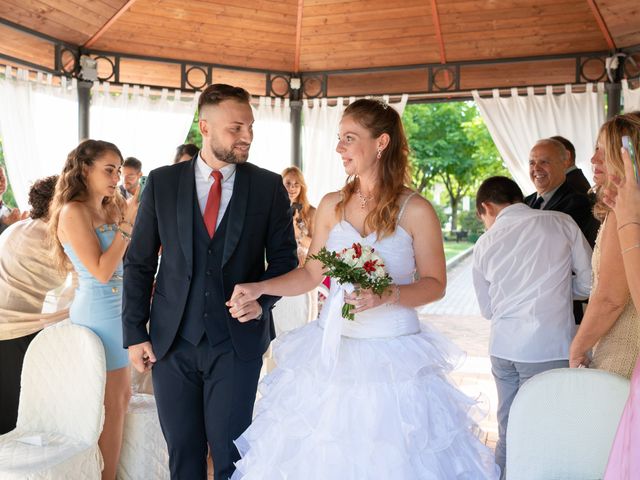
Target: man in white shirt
(522,274)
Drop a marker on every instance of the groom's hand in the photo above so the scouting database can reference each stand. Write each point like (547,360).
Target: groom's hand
(244,310)
(142,356)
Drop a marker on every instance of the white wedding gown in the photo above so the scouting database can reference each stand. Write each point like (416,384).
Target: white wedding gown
(371,402)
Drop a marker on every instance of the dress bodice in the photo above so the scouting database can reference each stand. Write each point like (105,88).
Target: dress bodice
(106,234)
(396,251)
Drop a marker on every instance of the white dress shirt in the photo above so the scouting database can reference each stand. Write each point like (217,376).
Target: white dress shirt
(204,180)
(522,276)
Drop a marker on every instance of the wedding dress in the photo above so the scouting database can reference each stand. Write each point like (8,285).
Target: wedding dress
(364,399)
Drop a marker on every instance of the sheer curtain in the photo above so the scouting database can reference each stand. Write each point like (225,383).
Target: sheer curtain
(39,127)
(516,122)
(322,166)
(630,97)
(145,125)
(271,147)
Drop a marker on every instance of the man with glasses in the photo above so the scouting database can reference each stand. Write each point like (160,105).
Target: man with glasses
(131,173)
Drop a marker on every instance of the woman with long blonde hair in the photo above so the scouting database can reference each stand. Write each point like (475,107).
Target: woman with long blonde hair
(90,227)
(366,398)
(623,197)
(303,211)
(611,325)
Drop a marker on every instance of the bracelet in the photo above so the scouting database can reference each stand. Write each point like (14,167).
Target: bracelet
(627,224)
(125,236)
(126,223)
(396,296)
(628,249)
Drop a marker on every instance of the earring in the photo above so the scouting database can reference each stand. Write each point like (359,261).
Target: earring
(379,155)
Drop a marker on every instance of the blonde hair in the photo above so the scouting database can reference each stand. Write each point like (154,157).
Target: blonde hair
(610,135)
(393,166)
(72,186)
(305,211)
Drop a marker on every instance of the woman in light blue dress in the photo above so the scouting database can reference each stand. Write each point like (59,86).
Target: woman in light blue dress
(91,225)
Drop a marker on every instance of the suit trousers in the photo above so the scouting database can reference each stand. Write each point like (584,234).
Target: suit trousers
(11,359)
(509,377)
(205,395)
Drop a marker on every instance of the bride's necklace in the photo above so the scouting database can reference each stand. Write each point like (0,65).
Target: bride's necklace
(363,200)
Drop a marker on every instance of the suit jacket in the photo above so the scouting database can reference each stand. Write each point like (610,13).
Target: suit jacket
(577,181)
(259,227)
(575,204)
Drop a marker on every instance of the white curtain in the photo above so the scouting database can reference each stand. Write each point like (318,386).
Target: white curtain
(323,170)
(39,127)
(143,125)
(630,97)
(271,147)
(516,122)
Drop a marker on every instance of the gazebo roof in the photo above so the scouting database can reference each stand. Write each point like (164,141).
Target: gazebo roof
(428,48)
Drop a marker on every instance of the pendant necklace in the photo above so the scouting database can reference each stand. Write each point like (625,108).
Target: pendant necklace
(363,200)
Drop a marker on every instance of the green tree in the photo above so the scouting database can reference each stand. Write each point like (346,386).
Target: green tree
(8,197)
(450,145)
(194,136)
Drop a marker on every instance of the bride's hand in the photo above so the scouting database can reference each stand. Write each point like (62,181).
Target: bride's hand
(244,292)
(366,299)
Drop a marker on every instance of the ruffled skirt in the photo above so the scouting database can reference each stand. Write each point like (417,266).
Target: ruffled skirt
(385,411)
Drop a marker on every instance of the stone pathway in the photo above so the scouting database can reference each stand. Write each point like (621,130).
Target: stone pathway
(457,316)
(460,298)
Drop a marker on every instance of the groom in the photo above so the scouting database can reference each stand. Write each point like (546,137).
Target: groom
(217,219)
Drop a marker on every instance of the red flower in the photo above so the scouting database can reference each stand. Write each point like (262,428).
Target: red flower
(370,266)
(358,249)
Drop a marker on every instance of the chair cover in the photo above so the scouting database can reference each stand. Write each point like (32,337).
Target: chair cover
(562,423)
(144,453)
(61,408)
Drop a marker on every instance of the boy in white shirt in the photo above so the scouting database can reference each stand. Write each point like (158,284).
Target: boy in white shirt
(522,274)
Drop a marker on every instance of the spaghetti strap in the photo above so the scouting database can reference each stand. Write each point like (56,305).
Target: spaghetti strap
(404,205)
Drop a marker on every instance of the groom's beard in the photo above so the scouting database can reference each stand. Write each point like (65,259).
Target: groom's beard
(231,155)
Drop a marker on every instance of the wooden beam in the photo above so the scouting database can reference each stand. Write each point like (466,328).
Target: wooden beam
(96,36)
(89,43)
(602,24)
(436,24)
(296,64)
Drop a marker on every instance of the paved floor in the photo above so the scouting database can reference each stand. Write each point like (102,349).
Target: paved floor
(460,298)
(457,316)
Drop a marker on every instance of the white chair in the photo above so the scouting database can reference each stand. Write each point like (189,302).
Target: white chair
(562,423)
(293,312)
(144,453)
(141,382)
(61,409)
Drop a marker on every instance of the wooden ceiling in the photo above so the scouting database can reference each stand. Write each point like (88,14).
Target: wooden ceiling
(393,46)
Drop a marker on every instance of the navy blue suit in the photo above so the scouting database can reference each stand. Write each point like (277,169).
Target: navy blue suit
(207,367)
(574,204)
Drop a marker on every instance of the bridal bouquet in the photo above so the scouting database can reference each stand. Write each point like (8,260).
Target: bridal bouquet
(358,265)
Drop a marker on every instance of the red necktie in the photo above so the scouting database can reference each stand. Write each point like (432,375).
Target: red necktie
(213,203)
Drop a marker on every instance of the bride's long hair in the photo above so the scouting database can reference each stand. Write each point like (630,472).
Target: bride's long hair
(72,186)
(393,166)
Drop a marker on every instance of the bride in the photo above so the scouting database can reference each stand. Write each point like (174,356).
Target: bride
(368,398)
